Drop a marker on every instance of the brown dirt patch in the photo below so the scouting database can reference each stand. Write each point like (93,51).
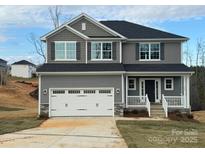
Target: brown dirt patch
(17,95)
(64,123)
(199,116)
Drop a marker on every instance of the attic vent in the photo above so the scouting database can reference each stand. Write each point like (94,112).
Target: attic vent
(83,26)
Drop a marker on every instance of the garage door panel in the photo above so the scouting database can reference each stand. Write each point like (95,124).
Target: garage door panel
(82,102)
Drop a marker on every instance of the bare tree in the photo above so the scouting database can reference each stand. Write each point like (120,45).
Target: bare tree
(199,53)
(186,53)
(55,14)
(38,45)
(202,55)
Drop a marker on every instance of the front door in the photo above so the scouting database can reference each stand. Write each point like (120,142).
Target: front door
(150,89)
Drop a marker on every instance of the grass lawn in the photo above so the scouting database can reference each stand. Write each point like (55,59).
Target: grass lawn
(12,125)
(142,134)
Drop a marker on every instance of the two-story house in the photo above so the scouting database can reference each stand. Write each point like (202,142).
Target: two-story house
(100,68)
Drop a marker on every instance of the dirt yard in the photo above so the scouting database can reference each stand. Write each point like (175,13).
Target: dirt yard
(15,101)
(199,115)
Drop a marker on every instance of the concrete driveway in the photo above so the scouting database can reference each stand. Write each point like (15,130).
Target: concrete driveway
(67,132)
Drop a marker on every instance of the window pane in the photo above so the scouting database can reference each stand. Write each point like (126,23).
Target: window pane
(131,84)
(154,55)
(107,53)
(96,51)
(154,51)
(154,47)
(60,46)
(107,46)
(71,50)
(60,50)
(169,84)
(144,55)
(144,47)
(71,46)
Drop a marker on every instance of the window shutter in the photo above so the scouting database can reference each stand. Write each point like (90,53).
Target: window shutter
(162,51)
(137,51)
(78,50)
(89,50)
(114,56)
(52,50)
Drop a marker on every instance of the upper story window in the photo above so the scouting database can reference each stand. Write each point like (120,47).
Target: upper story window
(65,50)
(149,51)
(101,50)
(83,26)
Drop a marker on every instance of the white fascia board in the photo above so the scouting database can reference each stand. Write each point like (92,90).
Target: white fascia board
(160,39)
(109,30)
(159,73)
(82,73)
(43,38)
(77,32)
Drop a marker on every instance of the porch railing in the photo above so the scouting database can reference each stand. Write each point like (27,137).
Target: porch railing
(165,106)
(175,101)
(139,101)
(172,102)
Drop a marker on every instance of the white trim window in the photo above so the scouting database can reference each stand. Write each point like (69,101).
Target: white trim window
(101,50)
(169,84)
(65,50)
(149,51)
(132,84)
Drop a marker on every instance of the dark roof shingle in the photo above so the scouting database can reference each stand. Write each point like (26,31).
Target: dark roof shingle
(62,67)
(3,61)
(23,62)
(136,31)
(156,68)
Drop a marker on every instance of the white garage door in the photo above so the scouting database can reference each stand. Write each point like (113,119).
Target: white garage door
(82,102)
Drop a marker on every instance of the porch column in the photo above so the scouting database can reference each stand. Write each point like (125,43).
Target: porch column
(123,90)
(188,92)
(185,91)
(126,90)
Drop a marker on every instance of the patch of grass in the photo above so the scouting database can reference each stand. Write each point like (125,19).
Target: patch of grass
(162,134)
(2,108)
(13,125)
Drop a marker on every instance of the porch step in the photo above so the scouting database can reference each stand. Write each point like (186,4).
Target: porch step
(157,111)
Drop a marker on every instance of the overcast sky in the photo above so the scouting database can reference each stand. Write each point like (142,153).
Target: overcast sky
(17,22)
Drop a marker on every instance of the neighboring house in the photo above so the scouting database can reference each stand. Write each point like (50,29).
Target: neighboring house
(3,71)
(101,68)
(23,68)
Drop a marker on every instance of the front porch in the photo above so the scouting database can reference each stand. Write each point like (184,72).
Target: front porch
(169,91)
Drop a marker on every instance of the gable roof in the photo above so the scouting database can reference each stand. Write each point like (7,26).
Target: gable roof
(97,23)
(23,62)
(3,61)
(136,31)
(68,28)
(66,24)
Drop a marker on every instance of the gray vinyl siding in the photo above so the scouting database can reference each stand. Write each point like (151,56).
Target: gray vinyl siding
(80,81)
(172,53)
(117,60)
(66,35)
(91,29)
(176,92)
(177,87)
